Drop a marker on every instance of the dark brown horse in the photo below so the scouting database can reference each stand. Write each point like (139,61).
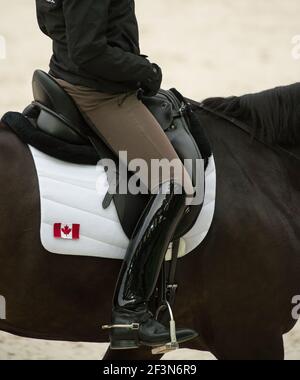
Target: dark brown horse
(235,289)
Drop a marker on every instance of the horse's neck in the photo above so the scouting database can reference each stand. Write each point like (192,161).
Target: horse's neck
(293,152)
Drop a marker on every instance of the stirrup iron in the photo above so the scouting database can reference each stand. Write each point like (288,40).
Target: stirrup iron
(173,345)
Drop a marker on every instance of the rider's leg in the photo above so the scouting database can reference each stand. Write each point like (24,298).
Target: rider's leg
(127,125)
(141,268)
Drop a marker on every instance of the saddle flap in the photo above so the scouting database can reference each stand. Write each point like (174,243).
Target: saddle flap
(48,122)
(171,112)
(161,109)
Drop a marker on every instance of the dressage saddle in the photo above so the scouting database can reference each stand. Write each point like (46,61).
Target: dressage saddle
(54,113)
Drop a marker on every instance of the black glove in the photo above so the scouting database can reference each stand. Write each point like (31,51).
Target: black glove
(152,84)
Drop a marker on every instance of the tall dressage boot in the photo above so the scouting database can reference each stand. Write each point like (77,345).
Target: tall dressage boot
(132,322)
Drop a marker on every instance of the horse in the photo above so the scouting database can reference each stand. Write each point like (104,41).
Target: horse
(235,289)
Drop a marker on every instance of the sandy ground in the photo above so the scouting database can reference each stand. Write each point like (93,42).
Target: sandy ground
(206,48)
(12,347)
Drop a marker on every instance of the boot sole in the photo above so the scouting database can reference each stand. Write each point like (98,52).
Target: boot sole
(131,344)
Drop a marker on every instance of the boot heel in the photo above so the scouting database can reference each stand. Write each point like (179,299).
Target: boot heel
(123,345)
(123,336)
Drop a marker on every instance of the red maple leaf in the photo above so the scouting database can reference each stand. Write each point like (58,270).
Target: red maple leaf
(66,230)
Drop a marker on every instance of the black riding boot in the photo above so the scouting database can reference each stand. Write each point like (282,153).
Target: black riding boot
(134,324)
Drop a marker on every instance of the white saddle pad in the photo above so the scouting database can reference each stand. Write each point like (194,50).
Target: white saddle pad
(73,221)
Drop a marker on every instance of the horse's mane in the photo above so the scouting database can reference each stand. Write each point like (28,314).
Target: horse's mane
(272,116)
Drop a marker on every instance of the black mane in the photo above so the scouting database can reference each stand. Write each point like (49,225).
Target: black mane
(273,116)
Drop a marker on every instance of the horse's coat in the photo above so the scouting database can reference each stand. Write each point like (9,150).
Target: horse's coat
(235,289)
(71,193)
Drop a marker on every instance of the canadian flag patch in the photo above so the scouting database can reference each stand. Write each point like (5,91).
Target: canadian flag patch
(66,231)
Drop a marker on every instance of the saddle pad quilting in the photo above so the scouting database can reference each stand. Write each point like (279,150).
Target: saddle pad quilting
(73,194)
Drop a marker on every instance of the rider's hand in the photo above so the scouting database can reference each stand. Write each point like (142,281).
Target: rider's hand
(152,84)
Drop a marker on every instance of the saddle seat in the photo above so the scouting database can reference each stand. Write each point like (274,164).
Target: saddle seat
(58,114)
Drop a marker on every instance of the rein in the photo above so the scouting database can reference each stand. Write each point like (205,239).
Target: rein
(245,128)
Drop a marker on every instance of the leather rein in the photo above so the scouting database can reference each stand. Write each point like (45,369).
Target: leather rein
(245,128)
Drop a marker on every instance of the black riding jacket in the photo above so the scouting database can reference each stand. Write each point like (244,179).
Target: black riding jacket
(95,43)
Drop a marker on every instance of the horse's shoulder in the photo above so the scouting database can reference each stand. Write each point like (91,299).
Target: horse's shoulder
(11,147)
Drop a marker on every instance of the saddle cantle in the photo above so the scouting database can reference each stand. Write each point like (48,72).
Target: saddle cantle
(54,114)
